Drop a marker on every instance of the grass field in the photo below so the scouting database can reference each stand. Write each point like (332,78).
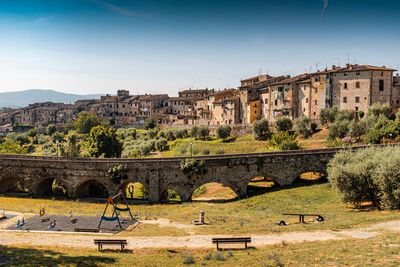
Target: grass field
(383,250)
(255,215)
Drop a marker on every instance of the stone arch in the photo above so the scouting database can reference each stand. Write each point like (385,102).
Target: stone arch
(220,192)
(181,195)
(311,176)
(12,184)
(50,186)
(140,190)
(260,184)
(224,182)
(92,188)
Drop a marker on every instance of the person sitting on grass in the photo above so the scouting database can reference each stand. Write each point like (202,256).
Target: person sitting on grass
(52,225)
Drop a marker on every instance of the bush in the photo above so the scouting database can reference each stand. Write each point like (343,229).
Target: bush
(51,129)
(33,132)
(284,141)
(127,133)
(57,136)
(188,259)
(192,166)
(161,145)
(303,126)
(150,124)
(219,256)
(224,132)
(220,151)
(152,133)
(261,130)
(284,124)
(314,127)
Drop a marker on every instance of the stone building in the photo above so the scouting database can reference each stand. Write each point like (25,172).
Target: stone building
(396,92)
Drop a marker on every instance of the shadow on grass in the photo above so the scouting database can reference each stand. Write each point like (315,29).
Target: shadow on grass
(11,256)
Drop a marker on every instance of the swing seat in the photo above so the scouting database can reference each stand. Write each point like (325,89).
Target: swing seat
(109,219)
(122,209)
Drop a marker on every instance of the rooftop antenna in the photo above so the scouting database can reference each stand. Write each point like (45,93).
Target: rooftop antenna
(348,58)
(316,66)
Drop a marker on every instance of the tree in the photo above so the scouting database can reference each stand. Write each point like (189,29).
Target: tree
(84,123)
(224,132)
(161,145)
(103,141)
(72,147)
(150,124)
(339,129)
(303,126)
(203,133)
(378,109)
(193,131)
(328,115)
(261,129)
(284,124)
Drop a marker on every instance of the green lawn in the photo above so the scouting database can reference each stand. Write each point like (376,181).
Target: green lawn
(378,251)
(255,215)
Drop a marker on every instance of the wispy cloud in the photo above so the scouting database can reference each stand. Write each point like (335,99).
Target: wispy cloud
(326,4)
(118,10)
(42,19)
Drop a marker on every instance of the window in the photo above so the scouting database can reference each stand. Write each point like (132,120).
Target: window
(315,102)
(381,85)
(356,108)
(345,85)
(276,102)
(357,84)
(357,99)
(266,101)
(345,74)
(306,100)
(357,72)
(344,99)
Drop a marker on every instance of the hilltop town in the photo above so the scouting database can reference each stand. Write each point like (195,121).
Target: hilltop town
(353,87)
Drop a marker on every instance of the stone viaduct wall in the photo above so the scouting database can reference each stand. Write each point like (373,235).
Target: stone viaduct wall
(158,175)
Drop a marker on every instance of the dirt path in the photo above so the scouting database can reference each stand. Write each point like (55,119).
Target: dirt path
(191,241)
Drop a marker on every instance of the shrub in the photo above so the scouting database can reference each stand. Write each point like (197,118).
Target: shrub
(206,151)
(188,259)
(219,256)
(273,260)
(118,173)
(303,126)
(161,145)
(261,130)
(192,166)
(127,133)
(57,136)
(33,132)
(51,129)
(150,124)
(284,141)
(220,151)
(152,133)
(314,127)
(284,124)
(224,132)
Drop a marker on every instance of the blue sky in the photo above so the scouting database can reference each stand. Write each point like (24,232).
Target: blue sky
(99,46)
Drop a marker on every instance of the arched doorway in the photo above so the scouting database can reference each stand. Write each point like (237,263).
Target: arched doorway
(92,189)
(213,192)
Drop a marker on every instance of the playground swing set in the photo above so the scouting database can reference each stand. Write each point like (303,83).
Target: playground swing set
(114,202)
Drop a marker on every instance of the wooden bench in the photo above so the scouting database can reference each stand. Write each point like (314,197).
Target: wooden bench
(87,230)
(231,240)
(101,242)
(302,215)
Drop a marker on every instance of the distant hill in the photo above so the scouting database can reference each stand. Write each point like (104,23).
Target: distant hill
(21,99)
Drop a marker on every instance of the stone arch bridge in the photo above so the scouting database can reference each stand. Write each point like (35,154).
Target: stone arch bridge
(36,174)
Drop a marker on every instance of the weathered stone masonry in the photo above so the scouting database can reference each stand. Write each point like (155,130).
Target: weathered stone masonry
(159,175)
